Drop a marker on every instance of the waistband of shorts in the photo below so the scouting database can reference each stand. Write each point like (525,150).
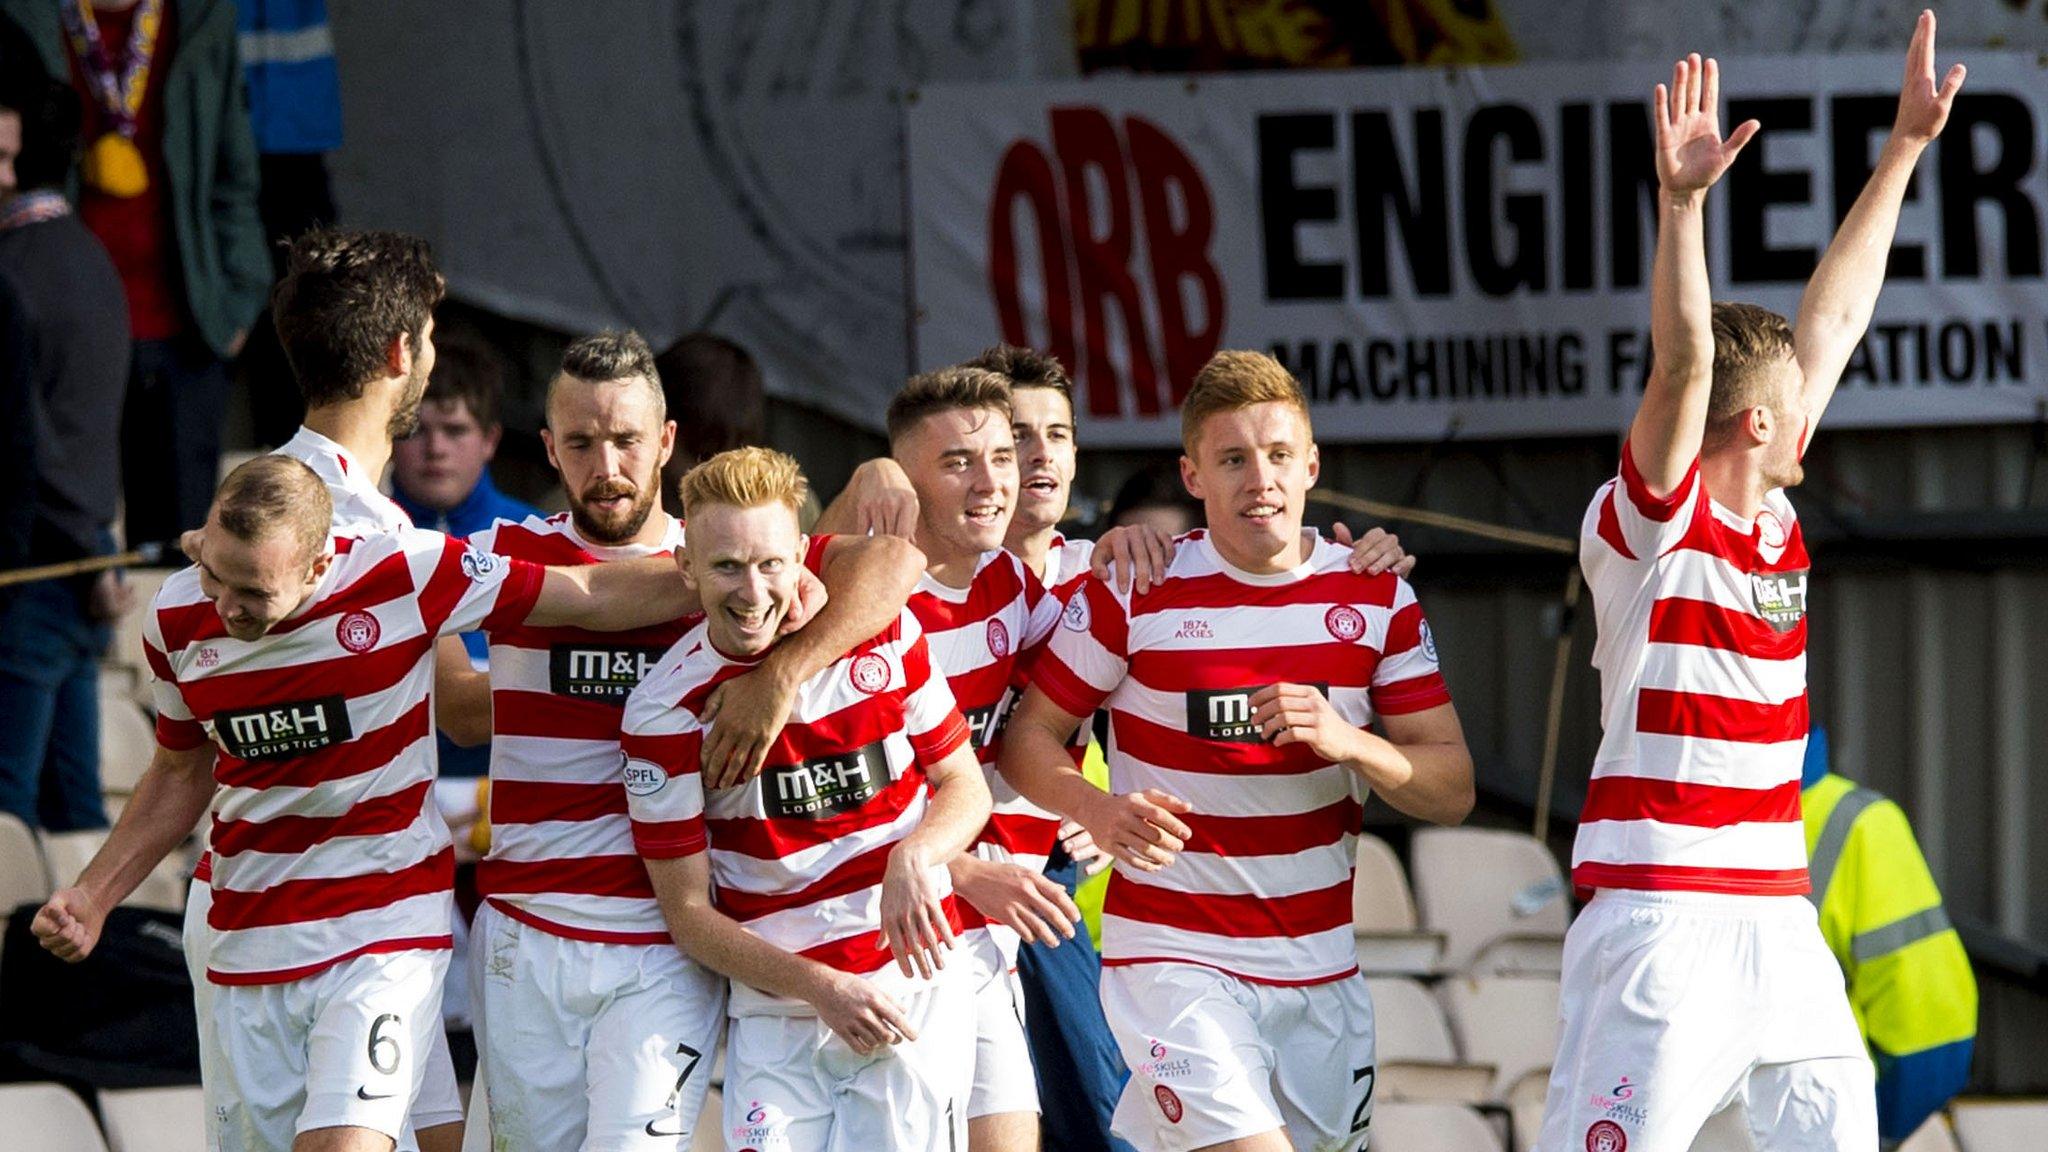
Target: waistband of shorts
(1748,907)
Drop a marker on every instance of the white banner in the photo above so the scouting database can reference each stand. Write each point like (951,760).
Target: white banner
(1459,251)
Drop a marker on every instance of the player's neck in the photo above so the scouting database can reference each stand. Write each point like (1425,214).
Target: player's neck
(954,570)
(1255,559)
(364,433)
(1033,548)
(652,534)
(1734,482)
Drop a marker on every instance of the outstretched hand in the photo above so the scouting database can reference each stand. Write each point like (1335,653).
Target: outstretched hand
(1923,107)
(1691,154)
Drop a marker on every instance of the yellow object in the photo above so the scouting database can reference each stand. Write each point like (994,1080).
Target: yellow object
(480,832)
(1088,895)
(114,165)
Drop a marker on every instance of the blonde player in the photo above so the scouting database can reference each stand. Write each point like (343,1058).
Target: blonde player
(293,671)
(1696,981)
(806,881)
(1238,687)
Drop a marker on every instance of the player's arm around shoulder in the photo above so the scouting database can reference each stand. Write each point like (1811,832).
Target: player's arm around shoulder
(169,800)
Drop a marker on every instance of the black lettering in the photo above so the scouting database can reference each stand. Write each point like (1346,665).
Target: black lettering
(1965,183)
(1575,192)
(2003,350)
(1305,364)
(1285,205)
(1424,213)
(1622,355)
(1752,191)
(1495,274)
(1958,353)
(1380,379)
(1343,383)
(1631,193)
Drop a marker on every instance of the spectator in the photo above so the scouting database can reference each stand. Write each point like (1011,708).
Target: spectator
(182,229)
(441,476)
(1908,976)
(295,106)
(65,308)
(716,398)
(1155,496)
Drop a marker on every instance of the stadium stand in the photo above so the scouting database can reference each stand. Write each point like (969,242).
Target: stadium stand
(127,741)
(1525,1108)
(1417,1126)
(154,1119)
(1509,1022)
(127,647)
(1390,939)
(48,1118)
(1498,897)
(1417,1058)
(2005,1125)
(66,854)
(1934,1136)
(24,879)
(710,1134)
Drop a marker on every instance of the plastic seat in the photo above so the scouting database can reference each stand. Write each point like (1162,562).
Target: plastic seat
(1498,898)
(155,1119)
(48,1118)
(65,854)
(1525,1108)
(1383,916)
(1415,1054)
(24,879)
(126,651)
(710,1132)
(1430,1126)
(127,741)
(1933,1136)
(1509,1022)
(1999,1125)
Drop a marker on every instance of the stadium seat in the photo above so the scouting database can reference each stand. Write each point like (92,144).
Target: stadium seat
(48,1118)
(1933,1136)
(1999,1125)
(65,855)
(154,1119)
(1383,916)
(1416,1056)
(127,741)
(1432,1126)
(24,879)
(127,647)
(1498,897)
(1525,1109)
(710,1133)
(1509,1022)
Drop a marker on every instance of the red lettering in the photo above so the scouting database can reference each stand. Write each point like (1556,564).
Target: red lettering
(1027,175)
(1177,253)
(1085,140)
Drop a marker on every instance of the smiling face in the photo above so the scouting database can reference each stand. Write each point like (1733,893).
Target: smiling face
(1251,468)
(745,564)
(1043,425)
(609,441)
(963,464)
(255,584)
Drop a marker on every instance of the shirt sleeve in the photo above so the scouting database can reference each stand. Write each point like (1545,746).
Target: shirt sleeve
(1087,654)
(664,791)
(463,588)
(931,716)
(814,556)
(175,727)
(1407,678)
(1638,524)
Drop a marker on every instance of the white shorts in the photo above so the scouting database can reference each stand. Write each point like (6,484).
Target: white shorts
(588,1045)
(792,1085)
(438,1101)
(1681,1006)
(1216,1058)
(1004,1079)
(344,1047)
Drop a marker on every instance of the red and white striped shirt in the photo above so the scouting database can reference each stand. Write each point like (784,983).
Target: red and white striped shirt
(325,847)
(562,857)
(359,510)
(1702,659)
(798,852)
(979,636)
(1263,889)
(1066,565)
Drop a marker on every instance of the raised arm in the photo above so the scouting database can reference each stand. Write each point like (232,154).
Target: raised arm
(169,800)
(861,1013)
(868,579)
(1835,311)
(1670,422)
(877,500)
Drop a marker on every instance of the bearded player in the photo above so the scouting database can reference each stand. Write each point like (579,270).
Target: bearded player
(1239,687)
(1697,972)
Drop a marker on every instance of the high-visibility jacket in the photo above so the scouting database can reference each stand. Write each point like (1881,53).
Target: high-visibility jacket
(1909,979)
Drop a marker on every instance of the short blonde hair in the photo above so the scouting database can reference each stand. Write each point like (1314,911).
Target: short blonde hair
(1235,380)
(744,478)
